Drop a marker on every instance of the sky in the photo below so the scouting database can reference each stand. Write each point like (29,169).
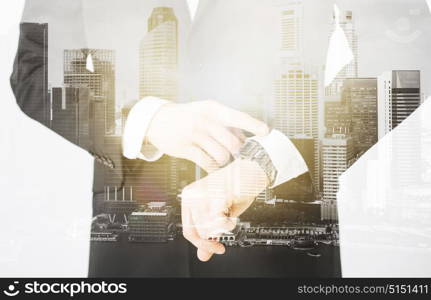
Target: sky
(393,34)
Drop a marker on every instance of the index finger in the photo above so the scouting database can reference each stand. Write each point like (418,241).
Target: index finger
(207,248)
(237,119)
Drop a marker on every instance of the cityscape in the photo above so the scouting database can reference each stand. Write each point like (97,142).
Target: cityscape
(139,202)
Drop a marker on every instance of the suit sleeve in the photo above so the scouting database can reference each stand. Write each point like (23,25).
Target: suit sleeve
(294,162)
(76,117)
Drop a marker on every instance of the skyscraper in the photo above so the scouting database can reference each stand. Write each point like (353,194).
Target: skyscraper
(361,95)
(338,117)
(291,28)
(34,39)
(71,114)
(158,67)
(351,70)
(296,97)
(399,95)
(337,157)
(101,80)
(295,90)
(296,102)
(159,56)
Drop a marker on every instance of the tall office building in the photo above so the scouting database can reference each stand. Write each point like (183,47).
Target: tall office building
(158,56)
(71,108)
(338,117)
(296,96)
(100,80)
(399,95)
(291,27)
(296,102)
(158,71)
(337,157)
(34,44)
(351,70)
(361,95)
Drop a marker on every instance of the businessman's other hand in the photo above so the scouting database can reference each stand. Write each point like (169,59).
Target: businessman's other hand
(212,205)
(205,132)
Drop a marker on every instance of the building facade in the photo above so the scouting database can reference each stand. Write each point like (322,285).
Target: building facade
(291,27)
(337,157)
(296,105)
(152,224)
(100,78)
(158,56)
(350,70)
(399,95)
(361,95)
(71,115)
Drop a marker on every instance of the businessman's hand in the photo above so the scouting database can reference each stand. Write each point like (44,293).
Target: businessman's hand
(204,132)
(212,205)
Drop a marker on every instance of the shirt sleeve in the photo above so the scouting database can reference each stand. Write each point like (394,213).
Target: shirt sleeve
(284,155)
(136,127)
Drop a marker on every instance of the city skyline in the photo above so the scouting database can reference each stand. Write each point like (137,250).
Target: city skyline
(315,13)
(297,92)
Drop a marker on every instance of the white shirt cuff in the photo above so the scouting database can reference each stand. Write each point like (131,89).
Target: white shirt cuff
(284,155)
(136,127)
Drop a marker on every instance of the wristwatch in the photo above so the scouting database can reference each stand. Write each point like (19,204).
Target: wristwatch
(254,151)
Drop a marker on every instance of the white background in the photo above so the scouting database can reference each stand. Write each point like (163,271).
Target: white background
(45,183)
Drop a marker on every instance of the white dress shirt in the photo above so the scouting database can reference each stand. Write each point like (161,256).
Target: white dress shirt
(284,155)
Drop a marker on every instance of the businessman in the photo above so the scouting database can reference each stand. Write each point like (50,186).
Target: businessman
(198,76)
(208,133)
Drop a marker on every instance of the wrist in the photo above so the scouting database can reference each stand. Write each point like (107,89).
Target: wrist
(136,129)
(250,176)
(284,156)
(157,124)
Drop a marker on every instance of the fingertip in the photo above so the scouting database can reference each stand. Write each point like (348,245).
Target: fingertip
(214,247)
(203,255)
(220,249)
